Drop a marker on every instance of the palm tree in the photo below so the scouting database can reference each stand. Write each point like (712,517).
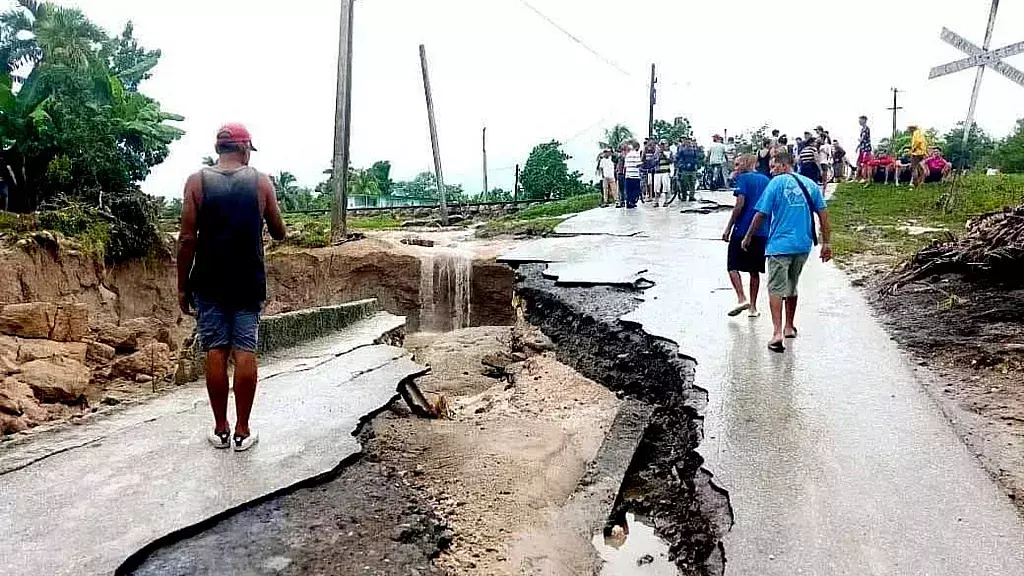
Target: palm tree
(286,190)
(615,137)
(43,31)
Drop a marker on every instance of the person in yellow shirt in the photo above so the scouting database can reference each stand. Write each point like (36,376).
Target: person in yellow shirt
(918,152)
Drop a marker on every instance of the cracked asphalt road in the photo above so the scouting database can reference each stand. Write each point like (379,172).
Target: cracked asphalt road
(836,460)
(90,497)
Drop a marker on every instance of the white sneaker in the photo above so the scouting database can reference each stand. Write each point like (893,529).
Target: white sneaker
(243,444)
(219,440)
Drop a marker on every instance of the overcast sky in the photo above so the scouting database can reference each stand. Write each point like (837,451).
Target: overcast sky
(725,64)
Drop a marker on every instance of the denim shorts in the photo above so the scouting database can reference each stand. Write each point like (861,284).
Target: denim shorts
(221,327)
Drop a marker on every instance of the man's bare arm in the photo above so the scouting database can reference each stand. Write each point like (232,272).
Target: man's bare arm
(187,239)
(271,210)
(754,227)
(826,235)
(737,211)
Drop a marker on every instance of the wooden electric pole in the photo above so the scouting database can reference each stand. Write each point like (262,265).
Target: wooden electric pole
(486,189)
(895,109)
(342,123)
(654,100)
(515,187)
(433,137)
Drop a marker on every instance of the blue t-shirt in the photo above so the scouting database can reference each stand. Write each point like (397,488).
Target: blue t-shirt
(784,202)
(750,185)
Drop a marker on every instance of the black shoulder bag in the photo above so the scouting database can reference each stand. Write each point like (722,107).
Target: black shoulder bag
(810,208)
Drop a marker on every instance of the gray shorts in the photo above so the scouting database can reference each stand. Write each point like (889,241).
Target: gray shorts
(223,328)
(784,274)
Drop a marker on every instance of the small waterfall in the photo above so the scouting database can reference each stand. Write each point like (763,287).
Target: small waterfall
(427,321)
(446,290)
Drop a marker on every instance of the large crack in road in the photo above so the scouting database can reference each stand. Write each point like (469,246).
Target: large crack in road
(665,481)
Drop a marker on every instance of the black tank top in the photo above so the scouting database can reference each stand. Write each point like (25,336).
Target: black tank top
(764,163)
(229,268)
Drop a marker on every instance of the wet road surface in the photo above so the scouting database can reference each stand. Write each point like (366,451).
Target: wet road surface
(835,459)
(84,501)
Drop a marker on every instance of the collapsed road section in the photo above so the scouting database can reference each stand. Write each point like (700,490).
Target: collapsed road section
(665,482)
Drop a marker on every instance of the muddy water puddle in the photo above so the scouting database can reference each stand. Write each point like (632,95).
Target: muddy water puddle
(633,548)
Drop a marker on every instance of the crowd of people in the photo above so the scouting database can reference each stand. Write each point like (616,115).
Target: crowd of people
(780,200)
(915,165)
(659,172)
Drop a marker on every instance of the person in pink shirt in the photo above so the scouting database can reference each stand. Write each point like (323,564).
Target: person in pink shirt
(938,168)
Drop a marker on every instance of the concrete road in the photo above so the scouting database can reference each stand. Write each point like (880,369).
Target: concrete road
(835,459)
(82,501)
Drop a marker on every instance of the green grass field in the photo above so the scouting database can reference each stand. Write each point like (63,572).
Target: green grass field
(539,220)
(873,220)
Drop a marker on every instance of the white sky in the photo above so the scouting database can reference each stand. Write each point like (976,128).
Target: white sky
(731,64)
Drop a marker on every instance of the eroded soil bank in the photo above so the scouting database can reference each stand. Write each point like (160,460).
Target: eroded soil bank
(121,329)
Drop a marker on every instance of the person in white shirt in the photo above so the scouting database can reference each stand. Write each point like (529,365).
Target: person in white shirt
(825,152)
(606,171)
(716,163)
(634,159)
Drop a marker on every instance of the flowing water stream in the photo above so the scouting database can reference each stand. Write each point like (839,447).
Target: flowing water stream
(446,290)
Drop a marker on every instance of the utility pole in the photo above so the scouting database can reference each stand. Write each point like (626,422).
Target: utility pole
(486,189)
(654,100)
(441,192)
(515,188)
(342,123)
(895,108)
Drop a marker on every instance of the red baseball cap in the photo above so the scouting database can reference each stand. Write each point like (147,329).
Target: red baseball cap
(235,133)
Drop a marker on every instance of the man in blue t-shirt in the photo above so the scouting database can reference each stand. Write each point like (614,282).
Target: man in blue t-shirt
(749,187)
(790,200)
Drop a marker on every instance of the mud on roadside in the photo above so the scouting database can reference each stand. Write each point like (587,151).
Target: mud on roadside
(968,341)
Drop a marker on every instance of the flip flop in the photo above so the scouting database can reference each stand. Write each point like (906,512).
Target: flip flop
(793,335)
(739,310)
(754,314)
(776,347)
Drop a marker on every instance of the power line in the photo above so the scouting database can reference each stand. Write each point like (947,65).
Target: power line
(575,39)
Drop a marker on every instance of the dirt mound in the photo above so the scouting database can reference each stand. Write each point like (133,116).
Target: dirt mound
(515,448)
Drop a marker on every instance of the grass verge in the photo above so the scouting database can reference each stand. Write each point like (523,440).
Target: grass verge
(895,223)
(540,220)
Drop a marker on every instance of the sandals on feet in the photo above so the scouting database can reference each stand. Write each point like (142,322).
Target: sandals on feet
(220,440)
(777,347)
(793,334)
(739,310)
(754,314)
(244,443)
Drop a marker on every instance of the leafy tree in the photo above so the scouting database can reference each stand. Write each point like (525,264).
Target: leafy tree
(209,161)
(616,136)
(363,183)
(679,128)
(546,174)
(1009,156)
(128,60)
(286,189)
(979,146)
(424,186)
(381,171)
(73,126)
(498,195)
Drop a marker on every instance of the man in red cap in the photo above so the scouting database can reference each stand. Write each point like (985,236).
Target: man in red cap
(221,274)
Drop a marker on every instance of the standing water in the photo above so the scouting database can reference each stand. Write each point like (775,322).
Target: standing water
(632,548)
(446,290)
